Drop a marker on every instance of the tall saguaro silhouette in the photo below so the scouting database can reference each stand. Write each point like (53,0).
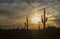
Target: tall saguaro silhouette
(44,19)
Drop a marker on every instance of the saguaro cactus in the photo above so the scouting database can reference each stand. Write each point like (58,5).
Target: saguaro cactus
(26,23)
(44,19)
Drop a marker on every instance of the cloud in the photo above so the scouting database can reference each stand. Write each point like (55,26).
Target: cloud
(13,10)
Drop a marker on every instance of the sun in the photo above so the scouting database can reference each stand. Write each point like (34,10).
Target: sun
(35,19)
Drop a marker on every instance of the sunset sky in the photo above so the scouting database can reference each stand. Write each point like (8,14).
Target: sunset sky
(13,13)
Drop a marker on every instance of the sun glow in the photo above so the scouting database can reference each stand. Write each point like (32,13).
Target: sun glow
(35,19)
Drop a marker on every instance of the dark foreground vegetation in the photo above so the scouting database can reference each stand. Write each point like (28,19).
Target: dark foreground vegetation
(48,33)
